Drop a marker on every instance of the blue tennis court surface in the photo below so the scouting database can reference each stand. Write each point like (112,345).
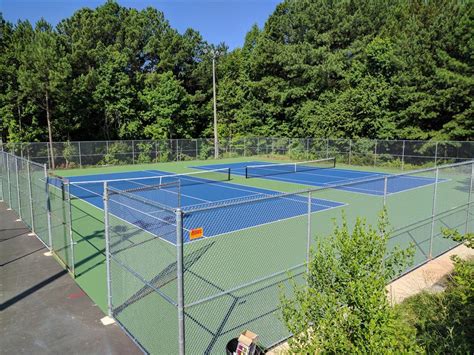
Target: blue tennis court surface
(195,193)
(334,176)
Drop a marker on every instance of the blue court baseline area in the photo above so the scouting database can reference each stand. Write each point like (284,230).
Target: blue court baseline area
(218,207)
(333,176)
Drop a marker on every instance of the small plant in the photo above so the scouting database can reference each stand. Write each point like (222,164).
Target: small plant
(343,306)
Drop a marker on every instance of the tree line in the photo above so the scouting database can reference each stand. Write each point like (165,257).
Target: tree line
(318,68)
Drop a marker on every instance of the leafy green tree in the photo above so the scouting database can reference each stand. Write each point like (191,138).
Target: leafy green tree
(165,101)
(343,307)
(42,73)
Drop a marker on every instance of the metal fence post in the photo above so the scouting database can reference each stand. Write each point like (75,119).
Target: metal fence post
(433,213)
(9,183)
(308,241)
(385,190)
(71,235)
(180,280)
(436,154)
(197,148)
(18,187)
(327,148)
(469,199)
(30,195)
(80,154)
(107,249)
(375,153)
(48,208)
(403,154)
(350,151)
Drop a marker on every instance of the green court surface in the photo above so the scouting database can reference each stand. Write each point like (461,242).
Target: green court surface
(233,282)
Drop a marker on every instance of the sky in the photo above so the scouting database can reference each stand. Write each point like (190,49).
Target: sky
(217,20)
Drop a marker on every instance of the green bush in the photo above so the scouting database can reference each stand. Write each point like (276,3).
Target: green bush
(343,306)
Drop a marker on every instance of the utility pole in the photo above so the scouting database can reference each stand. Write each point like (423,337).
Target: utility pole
(216,140)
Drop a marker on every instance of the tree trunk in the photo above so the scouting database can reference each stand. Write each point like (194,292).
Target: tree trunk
(50,132)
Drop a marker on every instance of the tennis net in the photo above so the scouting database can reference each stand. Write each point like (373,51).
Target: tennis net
(142,183)
(252,171)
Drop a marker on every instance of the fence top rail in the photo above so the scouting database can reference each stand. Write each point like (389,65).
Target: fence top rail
(24,159)
(242,138)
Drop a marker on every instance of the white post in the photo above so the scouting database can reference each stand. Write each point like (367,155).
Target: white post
(71,235)
(216,140)
(385,190)
(9,183)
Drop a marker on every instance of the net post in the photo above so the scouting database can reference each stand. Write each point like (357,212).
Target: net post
(18,187)
(107,249)
(435,192)
(246,173)
(180,280)
(48,207)
(67,185)
(80,153)
(30,195)
(403,154)
(471,181)
(9,183)
(385,190)
(308,241)
(228,174)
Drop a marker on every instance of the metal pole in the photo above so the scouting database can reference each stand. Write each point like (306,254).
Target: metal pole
(71,235)
(469,198)
(197,148)
(18,187)
(107,249)
(327,148)
(436,154)
(308,241)
(180,280)
(385,190)
(350,151)
(216,141)
(9,183)
(30,194)
(403,155)
(48,207)
(375,153)
(433,213)
(133,152)
(80,154)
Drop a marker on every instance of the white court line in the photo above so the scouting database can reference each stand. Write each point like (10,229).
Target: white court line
(133,224)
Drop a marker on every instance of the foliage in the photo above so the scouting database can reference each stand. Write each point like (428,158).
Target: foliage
(445,320)
(343,306)
(375,69)
(118,153)
(69,151)
(467,239)
(145,152)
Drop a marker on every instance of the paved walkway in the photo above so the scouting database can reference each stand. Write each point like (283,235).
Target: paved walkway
(42,309)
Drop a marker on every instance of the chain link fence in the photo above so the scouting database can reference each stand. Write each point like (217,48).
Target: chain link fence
(42,201)
(174,293)
(397,154)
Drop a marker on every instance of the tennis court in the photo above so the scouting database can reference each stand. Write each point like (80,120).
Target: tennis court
(129,245)
(192,191)
(323,172)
